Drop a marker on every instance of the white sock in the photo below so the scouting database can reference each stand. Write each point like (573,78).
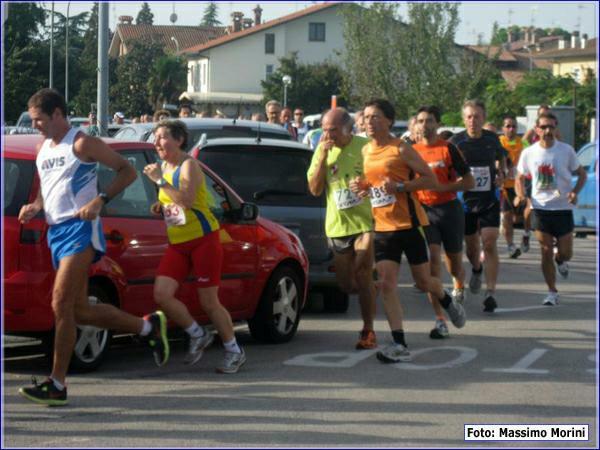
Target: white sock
(195,330)
(232,346)
(57,385)
(146,328)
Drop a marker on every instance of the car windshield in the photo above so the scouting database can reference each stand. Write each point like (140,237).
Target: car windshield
(17,179)
(263,175)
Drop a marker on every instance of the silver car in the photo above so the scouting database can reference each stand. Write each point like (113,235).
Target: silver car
(272,174)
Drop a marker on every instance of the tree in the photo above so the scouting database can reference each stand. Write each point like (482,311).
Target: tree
(145,16)
(88,64)
(312,84)
(211,16)
(168,79)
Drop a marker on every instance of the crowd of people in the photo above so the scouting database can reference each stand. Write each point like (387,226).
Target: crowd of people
(386,196)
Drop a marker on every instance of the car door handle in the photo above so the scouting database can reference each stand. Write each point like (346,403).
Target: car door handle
(114,236)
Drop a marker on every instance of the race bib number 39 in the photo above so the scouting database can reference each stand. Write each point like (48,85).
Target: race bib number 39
(345,198)
(174,215)
(379,198)
(483,181)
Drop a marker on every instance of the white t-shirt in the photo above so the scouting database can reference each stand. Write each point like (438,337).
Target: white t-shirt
(551,174)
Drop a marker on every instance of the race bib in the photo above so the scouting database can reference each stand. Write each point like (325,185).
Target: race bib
(379,198)
(345,199)
(174,215)
(483,180)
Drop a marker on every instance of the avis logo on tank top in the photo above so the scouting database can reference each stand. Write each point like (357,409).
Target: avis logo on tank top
(53,163)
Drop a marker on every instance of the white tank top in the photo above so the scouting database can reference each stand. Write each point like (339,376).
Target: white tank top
(67,182)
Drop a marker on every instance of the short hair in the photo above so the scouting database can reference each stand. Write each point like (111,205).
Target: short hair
(446,134)
(159,113)
(186,106)
(385,107)
(546,116)
(431,109)
(272,103)
(543,106)
(48,100)
(177,129)
(474,103)
(509,116)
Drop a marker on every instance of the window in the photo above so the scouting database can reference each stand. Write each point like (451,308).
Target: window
(586,156)
(269,70)
(217,198)
(269,43)
(18,176)
(316,32)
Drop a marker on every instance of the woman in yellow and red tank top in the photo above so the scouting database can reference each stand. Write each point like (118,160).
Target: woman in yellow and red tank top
(389,167)
(194,244)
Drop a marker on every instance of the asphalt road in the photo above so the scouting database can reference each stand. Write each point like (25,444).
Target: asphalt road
(525,364)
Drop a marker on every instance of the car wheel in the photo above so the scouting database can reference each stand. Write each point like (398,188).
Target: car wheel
(92,343)
(335,300)
(278,314)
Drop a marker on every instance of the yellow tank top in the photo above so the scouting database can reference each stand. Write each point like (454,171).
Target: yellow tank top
(199,220)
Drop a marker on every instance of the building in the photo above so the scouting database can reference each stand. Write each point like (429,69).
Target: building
(579,60)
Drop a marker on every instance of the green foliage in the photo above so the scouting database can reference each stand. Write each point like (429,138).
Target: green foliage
(145,16)
(312,84)
(87,65)
(211,15)
(168,78)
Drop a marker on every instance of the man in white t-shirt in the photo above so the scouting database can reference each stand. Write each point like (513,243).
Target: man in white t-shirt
(551,163)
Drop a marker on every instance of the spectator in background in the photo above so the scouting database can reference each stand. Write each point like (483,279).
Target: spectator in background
(359,124)
(273,112)
(410,135)
(286,122)
(313,137)
(161,114)
(301,127)
(93,129)
(530,135)
(185,111)
(119,118)
(490,127)
(203,115)
(446,135)
(258,117)
(146,118)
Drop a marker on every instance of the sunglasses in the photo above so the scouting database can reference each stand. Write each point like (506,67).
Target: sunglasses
(510,126)
(547,127)
(298,114)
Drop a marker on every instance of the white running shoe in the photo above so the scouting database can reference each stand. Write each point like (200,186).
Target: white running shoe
(551,299)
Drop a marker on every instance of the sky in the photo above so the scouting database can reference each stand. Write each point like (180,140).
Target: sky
(477,17)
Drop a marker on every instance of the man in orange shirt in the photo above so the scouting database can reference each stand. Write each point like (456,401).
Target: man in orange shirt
(389,165)
(444,210)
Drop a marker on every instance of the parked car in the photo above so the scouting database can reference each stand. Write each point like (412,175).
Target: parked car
(272,173)
(202,130)
(584,214)
(77,122)
(23,125)
(265,269)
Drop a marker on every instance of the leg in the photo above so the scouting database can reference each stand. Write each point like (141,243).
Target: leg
(435,253)
(489,236)
(387,272)
(565,247)
(344,271)
(218,315)
(473,246)
(164,295)
(363,264)
(508,227)
(455,267)
(547,249)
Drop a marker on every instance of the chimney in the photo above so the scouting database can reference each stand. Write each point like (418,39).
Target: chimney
(584,38)
(126,20)
(257,15)
(574,39)
(527,36)
(536,35)
(247,23)
(562,44)
(237,20)
(510,36)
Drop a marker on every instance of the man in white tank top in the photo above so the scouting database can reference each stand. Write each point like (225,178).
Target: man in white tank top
(66,164)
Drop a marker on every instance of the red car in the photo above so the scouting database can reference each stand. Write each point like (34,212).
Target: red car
(264,275)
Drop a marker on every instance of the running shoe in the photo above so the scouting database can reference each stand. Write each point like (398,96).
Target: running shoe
(525,244)
(563,269)
(440,330)
(475,281)
(157,339)
(45,393)
(489,304)
(197,346)
(513,251)
(366,340)
(457,314)
(232,362)
(393,353)
(458,295)
(551,299)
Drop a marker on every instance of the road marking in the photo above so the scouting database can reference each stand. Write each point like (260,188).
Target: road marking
(522,366)
(466,354)
(592,358)
(524,308)
(330,359)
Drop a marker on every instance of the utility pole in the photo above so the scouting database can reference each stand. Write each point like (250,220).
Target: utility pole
(67,58)
(52,48)
(102,96)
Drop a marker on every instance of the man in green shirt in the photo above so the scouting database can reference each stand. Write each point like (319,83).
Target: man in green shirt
(348,223)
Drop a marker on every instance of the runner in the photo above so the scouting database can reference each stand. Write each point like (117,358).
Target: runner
(444,210)
(399,220)
(486,158)
(194,243)
(551,164)
(66,164)
(348,222)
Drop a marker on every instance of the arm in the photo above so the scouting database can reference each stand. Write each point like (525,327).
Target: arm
(190,178)
(529,134)
(30,210)
(426,178)
(519,189)
(465,179)
(581,179)
(318,169)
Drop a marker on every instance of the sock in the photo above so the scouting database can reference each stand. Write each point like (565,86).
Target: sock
(442,318)
(477,271)
(195,330)
(459,285)
(446,301)
(398,337)
(489,293)
(146,328)
(57,385)
(232,346)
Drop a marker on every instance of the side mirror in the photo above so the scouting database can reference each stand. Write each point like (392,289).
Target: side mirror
(249,212)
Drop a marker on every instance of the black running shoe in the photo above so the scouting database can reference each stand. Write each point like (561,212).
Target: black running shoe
(157,339)
(489,304)
(45,393)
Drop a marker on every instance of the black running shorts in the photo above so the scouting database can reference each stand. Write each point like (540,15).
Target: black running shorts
(555,223)
(446,225)
(389,245)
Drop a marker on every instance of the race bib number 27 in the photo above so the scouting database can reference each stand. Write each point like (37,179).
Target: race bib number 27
(483,181)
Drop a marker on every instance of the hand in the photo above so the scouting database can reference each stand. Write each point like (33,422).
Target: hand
(28,212)
(572,198)
(156,209)
(90,210)
(499,178)
(518,201)
(390,187)
(153,172)
(359,187)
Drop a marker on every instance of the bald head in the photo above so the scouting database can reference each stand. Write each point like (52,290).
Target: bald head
(337,126)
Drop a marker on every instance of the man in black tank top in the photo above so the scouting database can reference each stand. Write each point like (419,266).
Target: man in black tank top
(487,159)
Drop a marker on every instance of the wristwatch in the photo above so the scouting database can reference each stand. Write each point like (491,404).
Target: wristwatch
(400,187)
(104,197)
(161,183)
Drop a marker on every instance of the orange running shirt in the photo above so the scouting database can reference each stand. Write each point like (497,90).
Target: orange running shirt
(400,211)
(446,161)
(514,149)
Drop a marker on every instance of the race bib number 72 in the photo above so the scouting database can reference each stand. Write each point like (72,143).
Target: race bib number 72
(345,199)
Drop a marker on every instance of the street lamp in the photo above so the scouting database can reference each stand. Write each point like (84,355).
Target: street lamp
(287,80)
(176,43)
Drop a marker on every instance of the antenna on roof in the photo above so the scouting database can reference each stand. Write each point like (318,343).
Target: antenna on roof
(173,16)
